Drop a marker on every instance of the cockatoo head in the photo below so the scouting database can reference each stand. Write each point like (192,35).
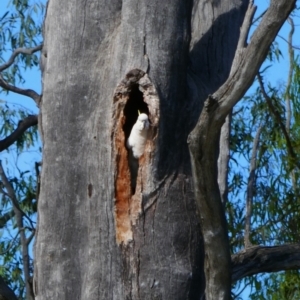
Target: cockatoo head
(142,122)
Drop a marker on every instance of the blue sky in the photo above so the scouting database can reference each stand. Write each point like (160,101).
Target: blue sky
(277,74)
(32,81)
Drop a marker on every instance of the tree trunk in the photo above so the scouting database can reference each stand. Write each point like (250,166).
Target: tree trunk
(104,233)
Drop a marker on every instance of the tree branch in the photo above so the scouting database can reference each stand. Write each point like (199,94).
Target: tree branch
(288,91)
(25,92)
(250,188)
(19,220)
(11,194)
(277,117)
(27,51)
(223,159)
(204,143)
(260,259)
(259,17)
(242,43)
(28,92)
(38,179)
(29,239)
(248,60)
(290,76)
(23,125)
(290,45)
(11,243)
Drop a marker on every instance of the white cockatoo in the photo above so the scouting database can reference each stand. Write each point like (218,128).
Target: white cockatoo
(138,136)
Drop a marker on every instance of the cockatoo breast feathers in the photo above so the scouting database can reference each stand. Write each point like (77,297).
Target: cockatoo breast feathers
(138,136)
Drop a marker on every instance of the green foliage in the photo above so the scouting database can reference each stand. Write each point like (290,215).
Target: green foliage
(284,286)
(23,178)
(276,202)
(10,116)
(20,27)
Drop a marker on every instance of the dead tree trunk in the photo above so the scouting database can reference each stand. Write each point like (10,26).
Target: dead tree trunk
(101,235)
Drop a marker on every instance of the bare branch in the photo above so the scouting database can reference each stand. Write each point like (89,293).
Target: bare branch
(277,116)
(19,219)
(288,90)
(5,85)
(28,92)
(11,193)
(204,140)
(38,179)
(27,51)
(250,188)
(292,46)
(260,259)
(23,125)
(259,17)
(29,239)
(248,61)
(290,75)
(11,243)
(242,43)
(223,159)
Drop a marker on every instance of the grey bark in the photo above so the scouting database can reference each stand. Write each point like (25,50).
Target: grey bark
(95,239)
(223,159)
(259,259)
(90,48)
(204,140)
(288,114)
(290,76)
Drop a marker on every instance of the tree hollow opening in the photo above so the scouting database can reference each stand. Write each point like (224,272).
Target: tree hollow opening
(134,94)
(134,104)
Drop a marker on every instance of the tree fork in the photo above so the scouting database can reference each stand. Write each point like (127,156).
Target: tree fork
(204,140)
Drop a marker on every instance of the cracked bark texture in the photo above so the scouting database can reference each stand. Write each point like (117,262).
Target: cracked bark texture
(186,48)
(258,259)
